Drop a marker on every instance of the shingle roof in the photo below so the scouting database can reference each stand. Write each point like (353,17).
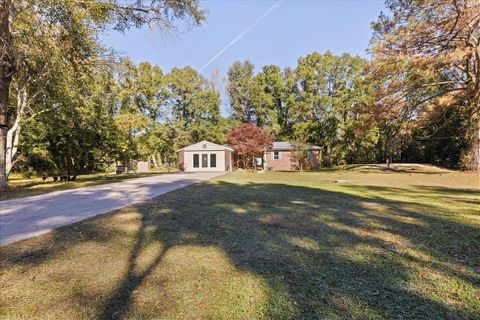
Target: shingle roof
(284,145)
(281,145)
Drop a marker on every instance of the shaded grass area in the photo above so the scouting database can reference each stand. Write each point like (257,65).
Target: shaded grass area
(262,246)
(23,187)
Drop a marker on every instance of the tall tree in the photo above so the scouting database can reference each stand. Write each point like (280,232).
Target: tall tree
(239,88)
(152,90)
(265,98)
(268,98)
(38,64)
(7,68)
(331,95)
(427,56)
(290,95)
(135,103)
(76,130)
(66,23)
(194,105)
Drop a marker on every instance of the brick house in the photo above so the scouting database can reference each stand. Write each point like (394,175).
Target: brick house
(208,156)
(279,158)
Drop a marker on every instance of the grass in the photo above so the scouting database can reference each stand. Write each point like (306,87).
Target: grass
(20,187)
(263,246)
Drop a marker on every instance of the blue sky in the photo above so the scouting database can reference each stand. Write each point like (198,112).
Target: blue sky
(291,30)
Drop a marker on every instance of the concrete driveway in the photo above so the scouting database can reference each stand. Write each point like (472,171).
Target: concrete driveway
(32,216)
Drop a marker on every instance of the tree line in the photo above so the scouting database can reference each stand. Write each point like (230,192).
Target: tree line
(122,112)
(335,102)
(63,100)
(70,105)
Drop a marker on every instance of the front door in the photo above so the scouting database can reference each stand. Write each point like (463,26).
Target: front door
(204,160)
(259,162)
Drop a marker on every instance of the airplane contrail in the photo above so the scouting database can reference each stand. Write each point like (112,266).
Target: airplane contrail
(241,35)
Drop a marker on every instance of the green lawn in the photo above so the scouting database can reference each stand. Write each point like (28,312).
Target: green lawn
(23,187)
(263,246)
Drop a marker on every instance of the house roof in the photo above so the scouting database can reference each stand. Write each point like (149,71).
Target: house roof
(284,145)
(199,146)
(276,146)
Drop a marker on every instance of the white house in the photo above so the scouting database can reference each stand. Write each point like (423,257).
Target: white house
(205,156)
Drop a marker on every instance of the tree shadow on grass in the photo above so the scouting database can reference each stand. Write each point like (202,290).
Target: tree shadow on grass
(120,301)
(449,191)
(431,193)
(273,235)
(322,254)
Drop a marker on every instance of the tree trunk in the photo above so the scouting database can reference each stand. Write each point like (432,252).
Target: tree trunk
(13,133)
(75,169)
(154,159)
(6,71)
(475,146)
(67,166)
(4,86)
(12,146)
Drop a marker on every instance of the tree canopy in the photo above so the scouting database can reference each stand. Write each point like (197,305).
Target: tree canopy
(249,141)
(40,39)
(70,105)
(426,60)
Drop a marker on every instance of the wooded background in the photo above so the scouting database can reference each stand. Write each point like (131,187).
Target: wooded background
(70,105)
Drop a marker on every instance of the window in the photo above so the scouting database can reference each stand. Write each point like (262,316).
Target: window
(213,160)
(309,155)
(276,155)
(204,160)
(196,161)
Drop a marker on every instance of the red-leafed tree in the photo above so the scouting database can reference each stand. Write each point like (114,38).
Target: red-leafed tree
(249,141)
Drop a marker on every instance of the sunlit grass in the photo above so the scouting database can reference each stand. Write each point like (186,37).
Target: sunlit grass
(263,246)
